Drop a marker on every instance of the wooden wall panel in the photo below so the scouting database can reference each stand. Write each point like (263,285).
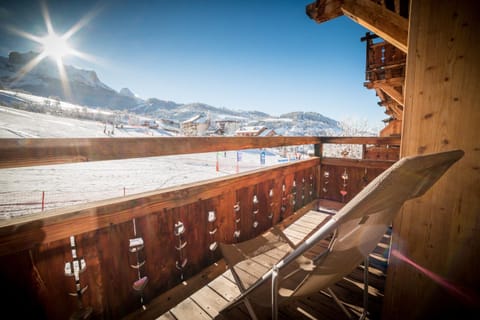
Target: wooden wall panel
(440,231)
(331,188)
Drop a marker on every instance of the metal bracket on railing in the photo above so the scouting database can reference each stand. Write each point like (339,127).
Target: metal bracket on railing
(303,191)
(136,244)
(73,269)
(255,211)
(270,195)
(236,212)
(135,248)
(212,217)
(326,175)
(181,263)
(310,192)
(283,206)
(294,194)
(343,191)
(365,178)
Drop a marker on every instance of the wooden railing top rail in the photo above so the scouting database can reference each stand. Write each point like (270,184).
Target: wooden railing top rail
(362,140)
(48,151)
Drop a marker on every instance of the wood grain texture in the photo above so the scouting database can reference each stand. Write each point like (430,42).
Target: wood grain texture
(390,26)
(440,232)
(45,151)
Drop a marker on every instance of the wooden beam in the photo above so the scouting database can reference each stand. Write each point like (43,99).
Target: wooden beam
(34,152)
(362,140)
(397,6)
(390,26)
(324,10)
(395,82)
(379,93)
(391,91)
(357,163)
(397,110)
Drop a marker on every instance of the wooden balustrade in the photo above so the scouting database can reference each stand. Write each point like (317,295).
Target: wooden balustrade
(128,250)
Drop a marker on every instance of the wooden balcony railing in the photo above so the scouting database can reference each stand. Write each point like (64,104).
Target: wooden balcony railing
(384,61)
(108,258)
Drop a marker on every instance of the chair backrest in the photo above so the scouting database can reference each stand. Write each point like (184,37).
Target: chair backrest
(363,221)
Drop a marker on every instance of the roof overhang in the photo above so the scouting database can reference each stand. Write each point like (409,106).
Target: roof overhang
(387,24)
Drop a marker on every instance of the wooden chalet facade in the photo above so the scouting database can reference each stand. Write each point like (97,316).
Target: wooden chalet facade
(141,255)
(385,73)
(434,271)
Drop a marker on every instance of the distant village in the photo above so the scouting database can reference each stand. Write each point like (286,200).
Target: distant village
(200,125)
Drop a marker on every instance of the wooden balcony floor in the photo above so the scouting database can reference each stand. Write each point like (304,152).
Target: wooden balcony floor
(209,300)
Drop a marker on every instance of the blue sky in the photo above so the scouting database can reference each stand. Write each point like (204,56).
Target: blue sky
(249,55)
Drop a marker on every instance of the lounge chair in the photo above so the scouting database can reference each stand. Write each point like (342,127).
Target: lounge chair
(339,243)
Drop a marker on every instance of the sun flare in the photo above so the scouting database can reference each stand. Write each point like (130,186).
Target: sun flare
(55,46)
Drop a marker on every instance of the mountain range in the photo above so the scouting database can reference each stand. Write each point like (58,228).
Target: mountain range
(86,89)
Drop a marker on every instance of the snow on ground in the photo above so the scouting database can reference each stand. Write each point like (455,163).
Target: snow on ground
(23,124)
(12,96)
(22,189)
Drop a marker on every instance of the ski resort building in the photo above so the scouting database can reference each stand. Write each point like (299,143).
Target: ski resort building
(195,126)
(250,131)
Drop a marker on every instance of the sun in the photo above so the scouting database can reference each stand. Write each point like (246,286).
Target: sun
(55,46)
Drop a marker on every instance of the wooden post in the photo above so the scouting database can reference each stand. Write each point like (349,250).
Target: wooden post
(439,232)
(318,152)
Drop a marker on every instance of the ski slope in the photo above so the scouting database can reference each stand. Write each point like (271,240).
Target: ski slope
(22,189)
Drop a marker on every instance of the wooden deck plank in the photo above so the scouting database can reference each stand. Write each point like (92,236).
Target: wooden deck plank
(306,224)
(321,306)
(166,316)
(188,309)
(224,286)
(297,227)
(255,269)
(247,278)
(209,300)
(313,219)
(291,233)
(278,253)
(265,260)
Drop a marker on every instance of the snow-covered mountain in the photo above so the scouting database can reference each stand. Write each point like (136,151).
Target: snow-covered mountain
(86,90)
(44,80)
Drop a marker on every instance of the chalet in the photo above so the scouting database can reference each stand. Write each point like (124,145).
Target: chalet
(267,133)
(227,127)
(195,126)
(155,255)
(250,131)
(152,124)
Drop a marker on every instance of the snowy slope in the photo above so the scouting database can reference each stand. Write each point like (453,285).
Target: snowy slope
(44,80)
(22,189)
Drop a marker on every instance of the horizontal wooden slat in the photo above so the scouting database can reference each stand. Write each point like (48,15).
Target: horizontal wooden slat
(33,152)
(24,232)
(362,140)
(357,163)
